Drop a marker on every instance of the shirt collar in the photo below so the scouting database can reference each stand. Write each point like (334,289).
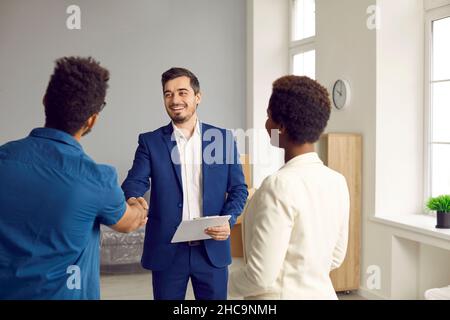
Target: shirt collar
(179,134)
(56,135)
(310,157)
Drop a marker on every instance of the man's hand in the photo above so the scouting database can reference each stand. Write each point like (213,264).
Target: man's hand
(220,233)
(140,200)
(134,217)
(140,203)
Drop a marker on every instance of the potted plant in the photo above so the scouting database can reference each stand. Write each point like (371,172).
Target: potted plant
(441,205)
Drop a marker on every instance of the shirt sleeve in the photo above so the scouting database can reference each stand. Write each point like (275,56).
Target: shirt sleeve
(271,229)
(114,204)
(340,249)
(137,182)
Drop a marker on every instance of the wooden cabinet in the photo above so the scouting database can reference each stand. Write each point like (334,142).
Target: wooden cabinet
(237,248)
(342,152)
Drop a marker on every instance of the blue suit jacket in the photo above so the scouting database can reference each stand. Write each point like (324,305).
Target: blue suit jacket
(224,190)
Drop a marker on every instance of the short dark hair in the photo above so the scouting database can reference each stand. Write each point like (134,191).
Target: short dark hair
(76,91)
(302,106)
(180,72)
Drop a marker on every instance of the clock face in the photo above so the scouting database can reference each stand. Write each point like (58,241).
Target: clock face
(340,94)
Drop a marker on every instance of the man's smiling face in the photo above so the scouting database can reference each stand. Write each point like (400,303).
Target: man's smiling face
(180,99)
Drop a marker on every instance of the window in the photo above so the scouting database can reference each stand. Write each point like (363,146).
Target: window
(438,103)
(304,19)
(302,51)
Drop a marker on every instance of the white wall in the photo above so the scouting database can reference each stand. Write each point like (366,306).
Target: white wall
(137,41)
(432,4)
(400,108)
(433,268)
(267,60)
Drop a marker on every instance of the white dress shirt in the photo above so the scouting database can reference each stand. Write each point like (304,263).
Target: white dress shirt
(191,171)
(295,231)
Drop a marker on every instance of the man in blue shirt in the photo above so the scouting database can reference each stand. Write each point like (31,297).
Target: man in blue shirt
(53,197)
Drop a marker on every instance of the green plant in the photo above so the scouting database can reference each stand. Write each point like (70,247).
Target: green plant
(439,204)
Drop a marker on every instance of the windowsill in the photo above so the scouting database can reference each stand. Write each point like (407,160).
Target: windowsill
(419,224)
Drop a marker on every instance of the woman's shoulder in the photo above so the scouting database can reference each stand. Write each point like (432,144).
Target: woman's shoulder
(281,183)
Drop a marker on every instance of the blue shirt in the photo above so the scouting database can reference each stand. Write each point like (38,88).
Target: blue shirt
(53,198)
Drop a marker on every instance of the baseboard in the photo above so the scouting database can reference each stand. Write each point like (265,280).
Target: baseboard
(370,295)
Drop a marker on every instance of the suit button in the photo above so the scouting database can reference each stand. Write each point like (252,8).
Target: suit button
(180,205)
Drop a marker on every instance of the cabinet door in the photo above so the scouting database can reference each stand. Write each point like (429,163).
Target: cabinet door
(342,153)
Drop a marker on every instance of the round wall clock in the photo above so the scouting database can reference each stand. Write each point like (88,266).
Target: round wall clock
(341,94)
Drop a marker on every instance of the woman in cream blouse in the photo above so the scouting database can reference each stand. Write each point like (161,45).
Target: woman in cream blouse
(296,224)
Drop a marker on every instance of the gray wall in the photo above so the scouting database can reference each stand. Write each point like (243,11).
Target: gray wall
(136,40)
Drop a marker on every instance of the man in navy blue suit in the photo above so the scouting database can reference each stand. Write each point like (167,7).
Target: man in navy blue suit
(194,171)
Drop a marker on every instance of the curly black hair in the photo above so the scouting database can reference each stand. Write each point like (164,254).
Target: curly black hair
(173,73)
(302,106)
(76,91)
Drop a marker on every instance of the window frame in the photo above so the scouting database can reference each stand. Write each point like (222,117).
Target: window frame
(430,16)
(299,46)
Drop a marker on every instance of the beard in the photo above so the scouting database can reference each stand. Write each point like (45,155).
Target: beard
(181,118)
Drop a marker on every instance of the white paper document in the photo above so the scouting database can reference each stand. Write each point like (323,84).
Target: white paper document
(192,230)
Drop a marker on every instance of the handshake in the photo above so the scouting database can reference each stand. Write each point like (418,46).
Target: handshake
(139,202)
(141,207)
(134,217)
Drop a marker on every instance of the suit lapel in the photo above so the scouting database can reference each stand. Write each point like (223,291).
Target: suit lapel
(174,154)
(204,167)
